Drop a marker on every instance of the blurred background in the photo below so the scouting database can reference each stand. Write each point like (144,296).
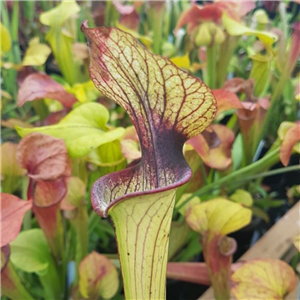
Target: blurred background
(243,49)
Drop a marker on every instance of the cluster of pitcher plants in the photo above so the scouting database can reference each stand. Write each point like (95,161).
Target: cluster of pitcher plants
(136,136)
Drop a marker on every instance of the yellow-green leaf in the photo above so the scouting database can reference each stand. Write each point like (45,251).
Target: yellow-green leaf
(5,39)
(98,277)
(84,92)
(260,71)
(83,129)
(235,28)
(59,14)
(261,17)
(36,54)
(53,105)
(109,157)
(30,251)
(242,197)
(182,61)
(219,216)
(263,279)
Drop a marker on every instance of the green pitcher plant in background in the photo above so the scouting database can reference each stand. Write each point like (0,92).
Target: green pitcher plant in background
(263,278)
(253,279)
(213,225)
(61,36)
(167,107)
(261,67)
